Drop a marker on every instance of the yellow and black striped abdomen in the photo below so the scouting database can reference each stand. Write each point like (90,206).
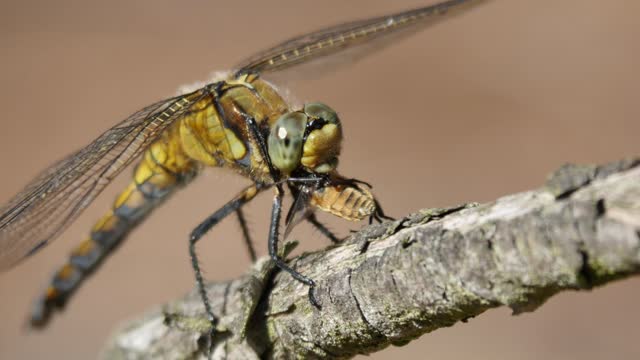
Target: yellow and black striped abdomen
(212,133)
(162,169)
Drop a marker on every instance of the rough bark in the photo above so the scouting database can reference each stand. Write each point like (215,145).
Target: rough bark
(393,282)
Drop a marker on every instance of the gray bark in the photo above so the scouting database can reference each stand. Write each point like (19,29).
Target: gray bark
(392,282)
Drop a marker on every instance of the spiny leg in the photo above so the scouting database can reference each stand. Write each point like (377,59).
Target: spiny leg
(379,214)
(276,214)
(236,203)
(322,228)
(301,205)
(246,235)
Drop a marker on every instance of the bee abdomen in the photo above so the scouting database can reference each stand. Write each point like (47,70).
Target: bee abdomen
(350,202)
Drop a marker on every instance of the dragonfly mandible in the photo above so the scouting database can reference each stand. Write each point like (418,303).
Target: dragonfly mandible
(240,122)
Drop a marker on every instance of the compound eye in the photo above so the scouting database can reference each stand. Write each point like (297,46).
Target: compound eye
(322,145)
(285,141)
(321,111)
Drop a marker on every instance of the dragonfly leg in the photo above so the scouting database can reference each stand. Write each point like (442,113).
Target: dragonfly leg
(246,235)
(322,228)
(262,146)
(276,214)
(236,203)
(379,214)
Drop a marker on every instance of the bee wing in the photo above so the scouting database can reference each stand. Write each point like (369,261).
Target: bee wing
(350,41)
(50,202)
(299,209)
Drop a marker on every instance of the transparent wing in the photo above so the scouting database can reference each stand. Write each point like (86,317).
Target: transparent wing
(358,37)
(299,208)
(50,202)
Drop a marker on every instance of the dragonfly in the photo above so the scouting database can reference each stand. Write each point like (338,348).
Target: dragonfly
(241,122)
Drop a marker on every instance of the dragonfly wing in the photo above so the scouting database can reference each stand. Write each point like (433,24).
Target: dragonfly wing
(47,205)
(347,42)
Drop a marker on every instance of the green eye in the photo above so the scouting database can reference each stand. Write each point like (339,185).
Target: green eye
(322,145)
(321,111)
(285,141)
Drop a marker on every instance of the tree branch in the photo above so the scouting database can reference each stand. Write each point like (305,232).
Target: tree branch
(392,282)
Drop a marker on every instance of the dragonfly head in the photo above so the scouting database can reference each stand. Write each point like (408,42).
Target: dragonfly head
(306,143)
(309,138)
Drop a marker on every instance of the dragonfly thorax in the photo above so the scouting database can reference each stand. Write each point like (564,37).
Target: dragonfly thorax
(309,138)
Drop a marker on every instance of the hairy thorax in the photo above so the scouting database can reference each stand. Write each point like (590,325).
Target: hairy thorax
(213,132)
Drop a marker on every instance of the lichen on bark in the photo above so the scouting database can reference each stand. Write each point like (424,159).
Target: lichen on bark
(392,282)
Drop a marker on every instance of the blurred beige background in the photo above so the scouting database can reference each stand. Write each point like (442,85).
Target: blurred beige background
(473,109)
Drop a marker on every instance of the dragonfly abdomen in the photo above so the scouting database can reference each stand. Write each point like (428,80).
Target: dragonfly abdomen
(161,171)
(212,133)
